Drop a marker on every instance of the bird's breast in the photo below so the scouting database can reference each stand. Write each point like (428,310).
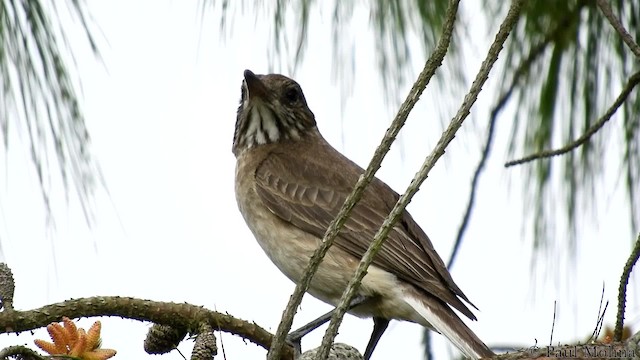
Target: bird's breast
(288,247)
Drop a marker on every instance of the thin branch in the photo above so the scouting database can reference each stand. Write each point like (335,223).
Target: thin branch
(521,70)
(622,290)
(503,99)
(553,323)
(446,138)
(633,81)
(476,175)
(7,287)
(334,228)
(179,315)
(615,22)
(599,319)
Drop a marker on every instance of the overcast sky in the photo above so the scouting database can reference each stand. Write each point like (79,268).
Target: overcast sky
(161,112)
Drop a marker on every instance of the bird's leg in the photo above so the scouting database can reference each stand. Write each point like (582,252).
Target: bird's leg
(295,336)
(379,326)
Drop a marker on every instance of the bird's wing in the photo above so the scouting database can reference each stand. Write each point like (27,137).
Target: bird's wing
(308,192)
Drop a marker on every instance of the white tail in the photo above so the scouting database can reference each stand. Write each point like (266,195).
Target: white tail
(445,321)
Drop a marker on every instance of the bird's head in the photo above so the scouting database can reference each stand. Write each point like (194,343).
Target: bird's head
(272,108)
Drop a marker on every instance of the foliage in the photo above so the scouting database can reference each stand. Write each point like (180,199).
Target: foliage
(39,91)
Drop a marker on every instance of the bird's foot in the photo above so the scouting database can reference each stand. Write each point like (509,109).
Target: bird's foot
(295,337)
(296,344)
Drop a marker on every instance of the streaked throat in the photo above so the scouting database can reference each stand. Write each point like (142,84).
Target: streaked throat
(262,125)
(258,124)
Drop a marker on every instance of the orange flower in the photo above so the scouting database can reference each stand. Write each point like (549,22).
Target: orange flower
(73,341)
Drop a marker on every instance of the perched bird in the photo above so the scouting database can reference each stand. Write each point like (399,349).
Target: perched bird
(290,184)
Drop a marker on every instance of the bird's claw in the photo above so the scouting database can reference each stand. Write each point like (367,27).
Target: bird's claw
(294,340)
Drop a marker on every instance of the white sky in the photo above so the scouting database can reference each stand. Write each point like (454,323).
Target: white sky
(161,113)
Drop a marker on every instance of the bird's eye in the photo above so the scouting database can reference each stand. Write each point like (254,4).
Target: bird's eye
(292,95)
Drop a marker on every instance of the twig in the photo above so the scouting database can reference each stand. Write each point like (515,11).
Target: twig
(600,318)
(224,354)
(553,323)
(180,315)
(434,61)
(600,322)
(521,70)
(622,290)
(615,22)
(446,138)
(633,81)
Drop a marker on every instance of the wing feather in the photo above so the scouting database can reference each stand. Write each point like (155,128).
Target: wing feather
(312,198)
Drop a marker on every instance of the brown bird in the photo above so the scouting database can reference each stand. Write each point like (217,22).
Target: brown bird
(290,185)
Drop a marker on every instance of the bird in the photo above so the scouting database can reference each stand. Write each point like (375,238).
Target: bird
(290,183)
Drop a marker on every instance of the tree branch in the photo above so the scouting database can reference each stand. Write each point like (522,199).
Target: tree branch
(179,315)
(446,138)
(196,318)
(615,22)
(633,81)
(332,231)
(622,289)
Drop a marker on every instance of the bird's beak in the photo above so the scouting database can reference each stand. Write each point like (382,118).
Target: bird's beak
(257,89)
